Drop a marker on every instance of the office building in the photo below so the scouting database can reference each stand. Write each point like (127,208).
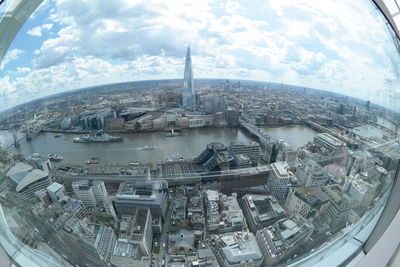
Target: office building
(329,142)
(261,211)
(137,229)
(339,206)
(142,194)
(310,173)
(84,192)
(280,180)
(283,239)
(56,192)
(251,149)
(127,254)
(241,161)
(237,249)
(214,103)
(223,212)
(188,91)
(28,180)
(307,202)
(97,240)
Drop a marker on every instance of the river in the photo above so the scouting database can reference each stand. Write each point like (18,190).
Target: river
(190,144)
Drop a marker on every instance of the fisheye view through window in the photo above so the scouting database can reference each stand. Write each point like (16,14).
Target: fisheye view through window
(197,133)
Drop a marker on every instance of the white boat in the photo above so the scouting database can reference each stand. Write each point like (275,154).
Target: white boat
(54,157)
(173,134)
(149,147)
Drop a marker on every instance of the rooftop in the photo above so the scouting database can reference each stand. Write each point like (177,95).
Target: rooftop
(281,169)
(240,247)
(124,248)
(54,187)
(331,139)
(32,177)
(19,171)
(313,196)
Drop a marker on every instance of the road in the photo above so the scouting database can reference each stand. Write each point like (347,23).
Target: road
(164,234)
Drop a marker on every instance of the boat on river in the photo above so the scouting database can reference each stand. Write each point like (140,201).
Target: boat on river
(91,138)
(93,161)
(149,147)
(173,134)
(54,157)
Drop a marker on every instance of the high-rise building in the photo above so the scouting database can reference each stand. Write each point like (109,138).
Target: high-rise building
(310,173)
(280,180)
(84,192)
(251,149)
(261,211)
(307,202)
(214,103)
(93,194)
(339,207)
(188,92)
(282,239)
(142,194)
(97,240)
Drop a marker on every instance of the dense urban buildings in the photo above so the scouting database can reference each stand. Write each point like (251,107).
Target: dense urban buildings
(217,176)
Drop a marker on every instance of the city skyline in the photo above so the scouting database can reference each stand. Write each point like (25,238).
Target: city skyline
(48,55)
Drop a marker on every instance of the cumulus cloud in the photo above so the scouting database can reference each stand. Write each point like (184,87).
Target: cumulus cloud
(11,55)
(305,42)
(37,31)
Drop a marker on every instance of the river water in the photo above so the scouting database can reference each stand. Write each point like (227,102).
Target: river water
(190,144)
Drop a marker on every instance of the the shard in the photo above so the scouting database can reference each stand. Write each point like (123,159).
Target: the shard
(188,93)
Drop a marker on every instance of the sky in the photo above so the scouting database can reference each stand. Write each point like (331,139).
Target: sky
(337,45)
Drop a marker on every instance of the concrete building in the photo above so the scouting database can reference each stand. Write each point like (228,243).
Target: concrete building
(307,202)
(223,212)
(251,149)
(137,229)
(289,153)
(339,206)
(280,180)
(84,192)
(329,142)
(56,192)
(238,249)
(28,180)
(43,197)
(241,161)
(93,194)
(281,240)
(142,194)
(128,254)
(214,103)
(261,211)
(310,173)
(362,192)
(97,240)
(39,162)
(182,240)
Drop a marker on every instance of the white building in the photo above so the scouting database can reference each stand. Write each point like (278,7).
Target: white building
(56,192)
(280,180)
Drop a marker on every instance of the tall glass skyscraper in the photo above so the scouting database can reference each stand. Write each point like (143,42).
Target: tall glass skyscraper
(188,93)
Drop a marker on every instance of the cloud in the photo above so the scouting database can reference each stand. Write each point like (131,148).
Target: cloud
(37,31)
(340,45)
(11,55)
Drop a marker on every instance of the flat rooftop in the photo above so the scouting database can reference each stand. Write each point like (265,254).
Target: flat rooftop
(281,169)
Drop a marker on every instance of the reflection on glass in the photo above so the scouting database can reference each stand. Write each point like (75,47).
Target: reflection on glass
(218,133)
